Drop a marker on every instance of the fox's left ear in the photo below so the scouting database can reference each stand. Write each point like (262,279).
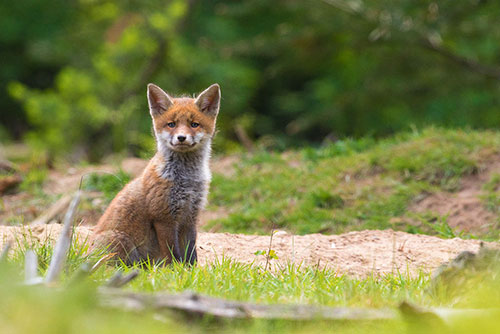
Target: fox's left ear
(209,100)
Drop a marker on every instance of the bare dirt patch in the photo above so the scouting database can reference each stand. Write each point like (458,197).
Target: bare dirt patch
(357,254)
(464,209)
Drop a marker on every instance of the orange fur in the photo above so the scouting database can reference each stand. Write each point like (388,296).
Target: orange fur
(154,216)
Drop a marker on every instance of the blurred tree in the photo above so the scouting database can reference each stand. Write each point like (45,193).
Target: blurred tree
(291,71)
(28,31)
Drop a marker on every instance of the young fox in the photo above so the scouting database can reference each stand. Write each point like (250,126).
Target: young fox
(155,215)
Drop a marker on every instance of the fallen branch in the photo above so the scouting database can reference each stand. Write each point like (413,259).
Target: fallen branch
(56,209)
(31,268)
(9,182)
(81,274)
(118,280)
(197,305)
(7,166)
(5,251)
(63,243)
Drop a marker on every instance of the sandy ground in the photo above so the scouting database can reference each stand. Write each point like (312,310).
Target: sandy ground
(357,254)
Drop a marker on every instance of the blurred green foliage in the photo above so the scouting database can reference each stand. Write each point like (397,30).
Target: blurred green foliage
(109,184)
(291,71)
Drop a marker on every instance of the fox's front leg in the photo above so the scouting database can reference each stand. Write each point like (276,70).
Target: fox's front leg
(168,240)
(187,242)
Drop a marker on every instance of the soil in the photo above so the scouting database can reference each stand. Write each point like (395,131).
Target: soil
(356,254)
(464,209)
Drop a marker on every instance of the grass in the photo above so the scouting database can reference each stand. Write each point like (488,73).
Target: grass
(73,308)
(491,193)
(107,183)
(347,185)
(343,186)
(225,278)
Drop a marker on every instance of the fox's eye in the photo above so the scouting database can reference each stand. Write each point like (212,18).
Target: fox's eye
(195,125)
(171,125)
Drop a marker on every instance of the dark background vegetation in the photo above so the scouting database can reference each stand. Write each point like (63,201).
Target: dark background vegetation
(73,73)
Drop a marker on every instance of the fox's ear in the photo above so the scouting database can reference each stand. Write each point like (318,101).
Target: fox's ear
(158,100)
(209,100)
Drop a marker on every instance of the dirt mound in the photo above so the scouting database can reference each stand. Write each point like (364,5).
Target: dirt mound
(356,254)
(464,209)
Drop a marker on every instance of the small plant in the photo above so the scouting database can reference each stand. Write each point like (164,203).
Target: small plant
(271,254)
(442,228)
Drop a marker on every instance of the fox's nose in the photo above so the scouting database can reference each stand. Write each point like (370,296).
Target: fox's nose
(181,138)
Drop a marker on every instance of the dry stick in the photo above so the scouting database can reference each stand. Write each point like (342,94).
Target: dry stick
(118,280)
(115,279)
(198,305)
(31,268)
(63,243)
(5,251)
(194,304)
(243,137)
(128,278)
(56,208)
(269,250)
(101,261)
(82,273)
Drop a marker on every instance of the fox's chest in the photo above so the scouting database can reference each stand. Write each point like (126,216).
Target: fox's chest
(186,198)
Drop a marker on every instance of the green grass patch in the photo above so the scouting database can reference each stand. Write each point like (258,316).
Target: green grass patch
(74,307)
(107,183)
(347,185)
(491,193)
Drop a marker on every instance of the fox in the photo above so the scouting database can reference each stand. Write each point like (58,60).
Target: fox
(155,216)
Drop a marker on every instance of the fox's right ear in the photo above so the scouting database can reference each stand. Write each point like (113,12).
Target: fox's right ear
(158,100)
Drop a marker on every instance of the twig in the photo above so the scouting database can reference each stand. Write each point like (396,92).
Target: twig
(490,71)
(83,272)
(244,138)
(194,304)
(269,250)
(356,8)
(5,251)
(197,305)
(56,208)
(118,280)
(63,243)
(115,279)
(31,268)
(101,261)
